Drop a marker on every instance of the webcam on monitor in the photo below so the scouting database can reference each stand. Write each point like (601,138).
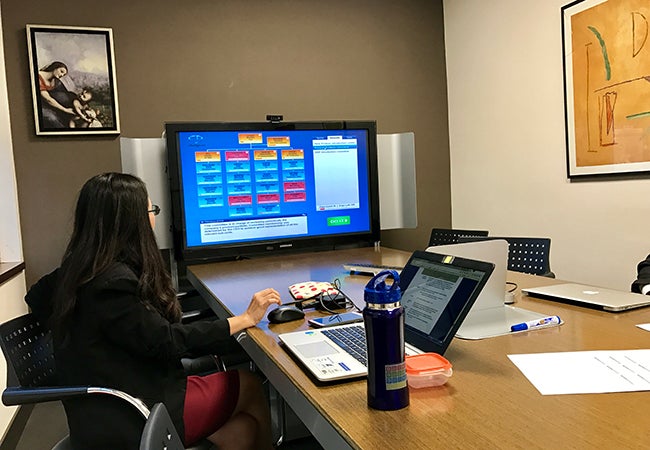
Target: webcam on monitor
(274,118)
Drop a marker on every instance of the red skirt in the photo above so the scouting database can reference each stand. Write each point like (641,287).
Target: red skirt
(209,402)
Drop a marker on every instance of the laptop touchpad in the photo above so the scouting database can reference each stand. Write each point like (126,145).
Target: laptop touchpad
(313,349)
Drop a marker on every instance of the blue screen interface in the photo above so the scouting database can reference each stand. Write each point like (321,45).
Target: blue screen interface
(250,186)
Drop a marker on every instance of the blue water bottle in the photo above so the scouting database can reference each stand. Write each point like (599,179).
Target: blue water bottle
(383,317)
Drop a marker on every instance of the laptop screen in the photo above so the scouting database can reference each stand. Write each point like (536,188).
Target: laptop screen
(437,293)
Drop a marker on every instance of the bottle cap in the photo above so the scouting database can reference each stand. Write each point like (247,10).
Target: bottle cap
(519,327)
(378,291)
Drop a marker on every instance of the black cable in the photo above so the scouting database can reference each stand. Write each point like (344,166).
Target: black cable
(331,298)
(337,284)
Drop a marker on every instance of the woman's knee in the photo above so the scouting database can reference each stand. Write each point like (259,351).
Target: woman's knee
(239,432)
(250,382)
(251,389)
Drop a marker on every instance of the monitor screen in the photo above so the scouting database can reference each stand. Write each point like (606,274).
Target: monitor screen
(243,189)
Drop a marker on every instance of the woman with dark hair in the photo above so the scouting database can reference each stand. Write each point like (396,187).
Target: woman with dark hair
(115,321)
(56,113)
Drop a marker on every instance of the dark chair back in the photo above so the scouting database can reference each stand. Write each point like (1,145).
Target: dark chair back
(159,432)
(27,347)
(530,255)
(525,254)
(444,236)
(31,376)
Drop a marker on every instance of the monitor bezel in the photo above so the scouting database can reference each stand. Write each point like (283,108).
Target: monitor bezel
(229,251)
(418,338)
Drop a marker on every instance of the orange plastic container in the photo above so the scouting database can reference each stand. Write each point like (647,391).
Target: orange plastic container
(427,369)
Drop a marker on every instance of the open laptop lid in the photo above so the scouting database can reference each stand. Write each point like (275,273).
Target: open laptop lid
(438,290)
(592,296)
(494,251)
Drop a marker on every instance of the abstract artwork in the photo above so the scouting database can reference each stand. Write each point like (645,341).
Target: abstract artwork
(607,86)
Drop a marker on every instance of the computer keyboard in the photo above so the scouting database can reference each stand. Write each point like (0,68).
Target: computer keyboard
(372,269)
(350,339)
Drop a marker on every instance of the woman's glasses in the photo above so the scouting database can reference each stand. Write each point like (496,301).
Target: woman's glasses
(155,210)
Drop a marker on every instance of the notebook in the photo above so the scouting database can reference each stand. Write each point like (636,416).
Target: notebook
(437,293)
(489,316)
(592,296)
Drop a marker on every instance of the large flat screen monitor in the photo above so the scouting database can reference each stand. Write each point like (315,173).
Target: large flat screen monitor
(245,189)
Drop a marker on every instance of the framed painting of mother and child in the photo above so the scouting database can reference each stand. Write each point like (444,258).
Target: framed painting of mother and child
(73,80)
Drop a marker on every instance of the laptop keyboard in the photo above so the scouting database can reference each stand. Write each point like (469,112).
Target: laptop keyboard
(351,339)
(372,269)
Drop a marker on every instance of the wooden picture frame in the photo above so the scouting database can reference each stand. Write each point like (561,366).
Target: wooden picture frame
(73,80)
(606,56)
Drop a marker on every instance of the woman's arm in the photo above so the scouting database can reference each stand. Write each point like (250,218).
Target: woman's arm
(129,323)
(256,309)
(54,104)
(39,296)
(142,331)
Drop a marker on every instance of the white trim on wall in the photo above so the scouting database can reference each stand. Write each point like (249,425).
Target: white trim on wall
(10,241)
(12,291)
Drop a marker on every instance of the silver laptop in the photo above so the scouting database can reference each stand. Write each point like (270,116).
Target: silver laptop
(489,316)
(440,288)
(592,296)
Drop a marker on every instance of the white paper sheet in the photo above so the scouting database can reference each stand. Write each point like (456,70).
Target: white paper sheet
(586,372)
(644,326)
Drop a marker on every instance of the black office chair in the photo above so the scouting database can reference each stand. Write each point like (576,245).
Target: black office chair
(159,432)
(27,348)
(444,236)
(194,307)
(525,254)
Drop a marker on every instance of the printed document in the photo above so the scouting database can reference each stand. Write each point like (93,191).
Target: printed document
(589,372)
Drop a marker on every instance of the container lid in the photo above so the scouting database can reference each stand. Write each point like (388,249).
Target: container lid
(377,291)
(426,363)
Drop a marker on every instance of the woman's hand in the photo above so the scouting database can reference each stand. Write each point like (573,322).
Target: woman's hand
(256,309)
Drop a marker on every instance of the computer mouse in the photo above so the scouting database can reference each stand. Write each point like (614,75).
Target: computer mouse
(285,313)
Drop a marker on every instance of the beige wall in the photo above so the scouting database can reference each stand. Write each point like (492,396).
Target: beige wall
(235,61)
(508,160)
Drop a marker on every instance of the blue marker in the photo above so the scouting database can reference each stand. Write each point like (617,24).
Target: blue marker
(539,323)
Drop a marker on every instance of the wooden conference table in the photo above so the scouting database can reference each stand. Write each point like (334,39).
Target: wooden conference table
(487,403)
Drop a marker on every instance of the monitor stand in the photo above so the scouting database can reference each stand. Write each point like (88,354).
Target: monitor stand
(489,315)
(495,322)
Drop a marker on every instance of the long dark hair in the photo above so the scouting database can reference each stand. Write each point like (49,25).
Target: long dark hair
(53,66)
(112,226)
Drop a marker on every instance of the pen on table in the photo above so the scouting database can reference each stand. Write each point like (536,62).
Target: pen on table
(538,323)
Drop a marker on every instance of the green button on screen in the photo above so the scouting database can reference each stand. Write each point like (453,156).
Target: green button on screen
(336,221)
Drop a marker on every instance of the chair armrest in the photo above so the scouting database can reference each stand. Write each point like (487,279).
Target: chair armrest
(196,314)
(12,396)
(202,365)
(194,307)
